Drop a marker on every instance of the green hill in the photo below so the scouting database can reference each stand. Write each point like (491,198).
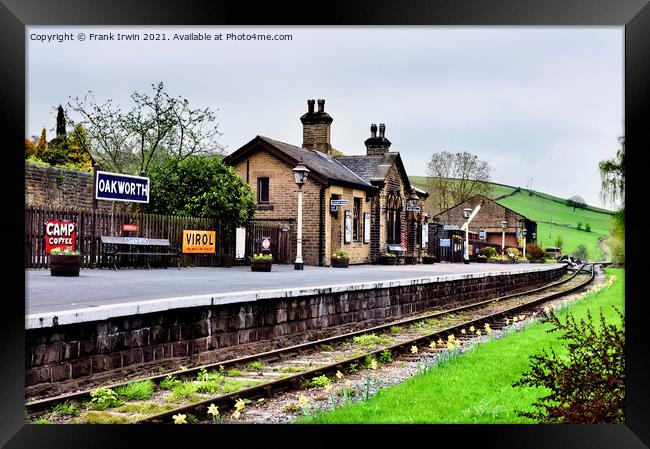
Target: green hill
(554,218)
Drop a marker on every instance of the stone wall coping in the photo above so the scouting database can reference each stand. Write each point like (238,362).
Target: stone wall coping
(108,311)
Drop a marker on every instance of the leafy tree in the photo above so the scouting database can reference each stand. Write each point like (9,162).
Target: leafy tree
(615,242)
(579,226)
(156,127)
(576,201)
(587,227)
(581,252)
(200,186)
(588,384)
(612,175)
(60,123)
(30,148)
(559,241)
(456,177)
(41,146)
(79,148)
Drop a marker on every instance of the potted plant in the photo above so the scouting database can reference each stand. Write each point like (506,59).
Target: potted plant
(481,258)
(64,263)
(261,262)
(389,259)
(340,259)
(486,253)
(428,259)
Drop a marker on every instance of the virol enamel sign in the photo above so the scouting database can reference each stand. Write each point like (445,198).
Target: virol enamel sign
(60,234)
(199,242)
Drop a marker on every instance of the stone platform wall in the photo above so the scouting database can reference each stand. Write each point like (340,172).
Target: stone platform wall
(86,353)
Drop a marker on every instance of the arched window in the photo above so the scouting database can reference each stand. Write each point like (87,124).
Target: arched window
(394,205)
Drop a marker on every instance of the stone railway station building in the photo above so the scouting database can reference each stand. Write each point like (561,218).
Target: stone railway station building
(375,185)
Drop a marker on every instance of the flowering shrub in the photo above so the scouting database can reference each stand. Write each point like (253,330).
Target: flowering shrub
(513,252)
(340,254)
(262,258)
(534,252)
(588,384)
(389,254)
(488,251)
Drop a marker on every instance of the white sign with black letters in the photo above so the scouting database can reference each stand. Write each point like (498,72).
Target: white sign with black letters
(366,228)
(348,226)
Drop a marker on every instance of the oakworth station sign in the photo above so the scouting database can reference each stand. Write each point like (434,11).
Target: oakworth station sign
(119,187)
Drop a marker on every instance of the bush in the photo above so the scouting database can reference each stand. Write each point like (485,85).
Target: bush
(340,254)
(534,252)
(587,227)
(488,252)
(55,156)
(581,252)
(579,227)
(587,385)
(262,258)
(513,251)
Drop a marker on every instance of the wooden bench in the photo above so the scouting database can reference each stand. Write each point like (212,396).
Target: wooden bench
(399,251)
(113,247)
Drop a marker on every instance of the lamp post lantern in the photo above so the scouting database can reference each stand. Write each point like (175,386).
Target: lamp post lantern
(412,203)
(504,225)
(300,174)
(466,213)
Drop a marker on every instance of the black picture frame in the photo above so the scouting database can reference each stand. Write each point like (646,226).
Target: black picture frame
(634,15)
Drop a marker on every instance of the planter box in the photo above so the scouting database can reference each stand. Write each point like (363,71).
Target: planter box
(428,260)
(481,259)
(261,265)
(64,265)
(340,263)
(388,260)
(410,260)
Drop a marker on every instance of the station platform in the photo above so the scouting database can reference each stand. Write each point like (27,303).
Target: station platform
(103,293)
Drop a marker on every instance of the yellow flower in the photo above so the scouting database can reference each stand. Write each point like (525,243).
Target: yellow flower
(328,388)
(463,331)
(440,342)
(521,317)
(373,364)
(348,383)
(471,329)
(414,349)
(487,326)
(514,319)
(478,332)
(302,400)
(433,345)
(339,375)
(239,405)
(179,419)
(451,337)
(450,345)
(236,414)
(458,343)
(213,410)
(507,321)
(488,331)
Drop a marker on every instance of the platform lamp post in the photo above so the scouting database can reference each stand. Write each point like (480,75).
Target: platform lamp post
(504,225)
(523,232)
(466,213)
(300,173)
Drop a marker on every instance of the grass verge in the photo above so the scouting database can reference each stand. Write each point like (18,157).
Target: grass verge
(477,386)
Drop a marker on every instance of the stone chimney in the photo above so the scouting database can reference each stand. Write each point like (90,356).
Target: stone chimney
(377,145)
(316,128)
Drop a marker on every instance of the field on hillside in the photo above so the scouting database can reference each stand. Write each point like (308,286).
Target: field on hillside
(553,217)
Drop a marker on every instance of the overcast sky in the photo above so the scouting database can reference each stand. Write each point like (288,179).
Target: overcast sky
(535,102)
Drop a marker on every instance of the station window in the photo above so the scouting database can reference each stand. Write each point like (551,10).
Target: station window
(262,190)
(356,223)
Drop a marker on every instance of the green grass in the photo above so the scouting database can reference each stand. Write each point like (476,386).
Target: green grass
(553,217)
(136,391)
(370,340)
(65,409)
(477,386)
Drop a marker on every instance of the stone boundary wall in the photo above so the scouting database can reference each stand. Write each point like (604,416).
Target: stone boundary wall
(79,355)
(47,186)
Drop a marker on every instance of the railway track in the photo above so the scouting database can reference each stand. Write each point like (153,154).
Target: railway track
(262,375)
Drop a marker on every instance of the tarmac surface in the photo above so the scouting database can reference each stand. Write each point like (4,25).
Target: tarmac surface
(100,287)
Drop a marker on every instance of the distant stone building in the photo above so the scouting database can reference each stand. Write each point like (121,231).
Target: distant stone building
(375,186)
(486,225)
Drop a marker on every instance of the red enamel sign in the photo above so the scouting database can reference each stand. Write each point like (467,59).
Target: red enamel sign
(60,234)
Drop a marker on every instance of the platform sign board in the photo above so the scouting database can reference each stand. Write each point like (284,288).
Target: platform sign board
(130,227)
(119,187)
(445,243)
(412,209)
(366,227)
(60,234)
(481,234)
(425,235)
(240,243)
(199,242)
(338,202)
(348,226)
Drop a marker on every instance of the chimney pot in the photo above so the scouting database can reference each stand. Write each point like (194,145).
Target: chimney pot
(321,105)
(382,129)
(373,130)
(310,106)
